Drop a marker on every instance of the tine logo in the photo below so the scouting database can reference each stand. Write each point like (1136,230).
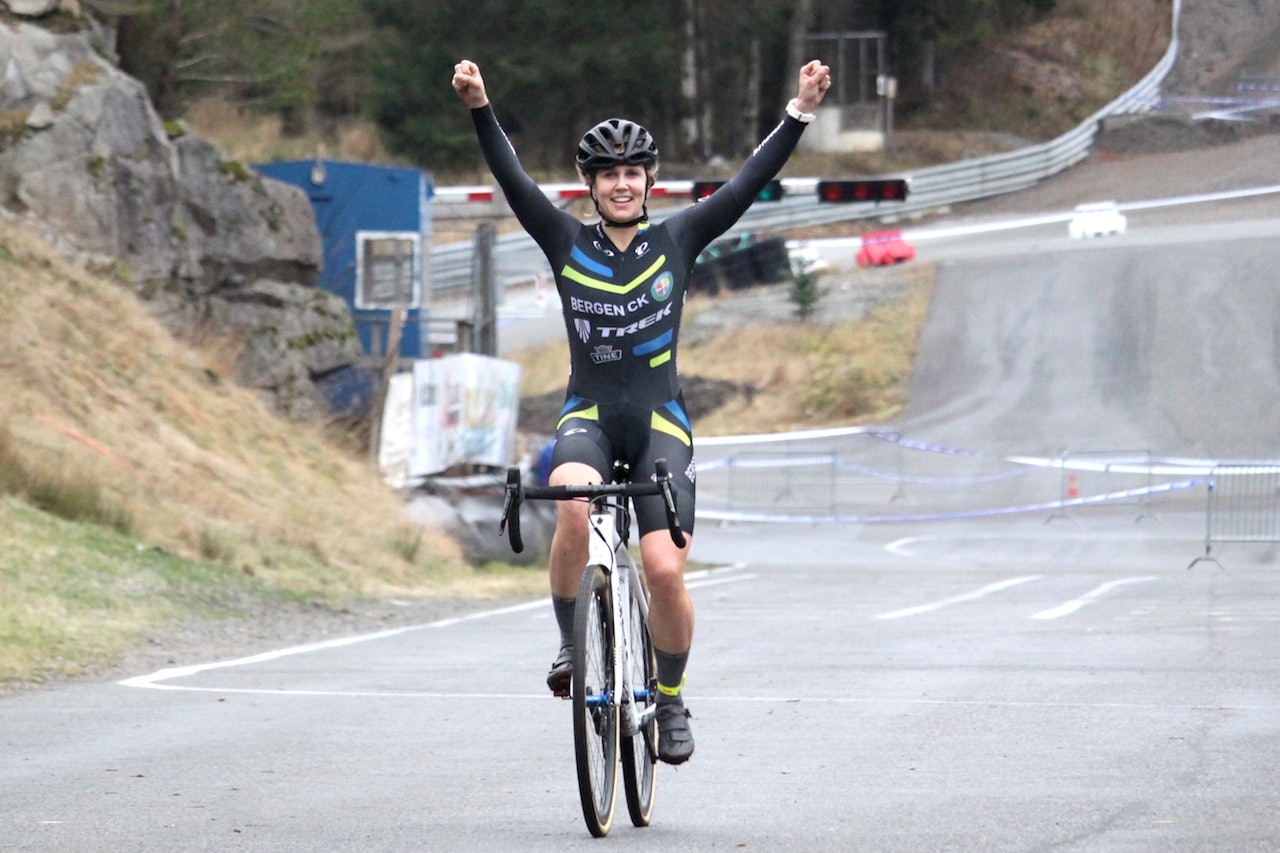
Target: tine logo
(584,329)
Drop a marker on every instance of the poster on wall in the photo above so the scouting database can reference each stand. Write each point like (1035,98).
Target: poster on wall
(465,409)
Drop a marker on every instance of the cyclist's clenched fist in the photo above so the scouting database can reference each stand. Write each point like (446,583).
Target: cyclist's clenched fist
(469,85)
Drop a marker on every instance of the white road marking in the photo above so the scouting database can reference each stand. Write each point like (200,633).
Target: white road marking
(693,580)
(902,546)
(968,596)
(980,702)
(1067,608)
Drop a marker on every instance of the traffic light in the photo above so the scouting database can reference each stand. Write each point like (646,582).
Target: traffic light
(701,189)
(772,191)
(863,189)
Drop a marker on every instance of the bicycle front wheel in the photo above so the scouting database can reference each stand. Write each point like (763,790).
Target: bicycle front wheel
(640,750)
(595,708)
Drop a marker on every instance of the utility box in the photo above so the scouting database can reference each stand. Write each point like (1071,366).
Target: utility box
(375,227)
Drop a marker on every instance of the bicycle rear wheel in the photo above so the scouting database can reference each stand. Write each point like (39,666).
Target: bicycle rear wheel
(595,709)
(640,750)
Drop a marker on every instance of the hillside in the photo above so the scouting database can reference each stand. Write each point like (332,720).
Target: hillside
(112,425)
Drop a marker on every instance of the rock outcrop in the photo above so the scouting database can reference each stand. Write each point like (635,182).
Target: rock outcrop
(213,247)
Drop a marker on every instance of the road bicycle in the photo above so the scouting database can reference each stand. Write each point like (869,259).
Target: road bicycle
(614,689)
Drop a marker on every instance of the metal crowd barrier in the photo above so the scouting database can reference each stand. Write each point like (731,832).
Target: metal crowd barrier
(782,481)
(1243,506)
(1095,472)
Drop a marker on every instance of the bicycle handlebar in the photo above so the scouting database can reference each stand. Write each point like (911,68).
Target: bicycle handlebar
(516,493)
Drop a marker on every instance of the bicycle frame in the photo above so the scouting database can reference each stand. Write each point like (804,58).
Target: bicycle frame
(607,548)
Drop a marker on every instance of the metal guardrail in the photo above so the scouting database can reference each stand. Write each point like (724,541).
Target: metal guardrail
(931,187)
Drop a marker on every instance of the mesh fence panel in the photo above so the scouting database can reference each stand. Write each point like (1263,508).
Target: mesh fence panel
(1244,504)
(842,472)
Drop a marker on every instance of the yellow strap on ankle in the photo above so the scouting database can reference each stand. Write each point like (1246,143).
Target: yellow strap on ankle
(672,691)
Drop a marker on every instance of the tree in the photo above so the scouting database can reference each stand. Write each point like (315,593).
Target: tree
(921,30)
(805,291)
(552,70)
(274,54)
(708,77)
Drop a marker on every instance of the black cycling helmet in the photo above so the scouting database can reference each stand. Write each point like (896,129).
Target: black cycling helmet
(616,142)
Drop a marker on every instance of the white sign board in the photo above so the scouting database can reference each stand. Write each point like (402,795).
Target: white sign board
(395,447)
(465,409)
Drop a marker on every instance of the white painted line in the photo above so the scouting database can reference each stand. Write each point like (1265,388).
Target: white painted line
(153,680)
(717,581)
(978,702)
(1067,608)
(968,596)
(693,580)
(902,546)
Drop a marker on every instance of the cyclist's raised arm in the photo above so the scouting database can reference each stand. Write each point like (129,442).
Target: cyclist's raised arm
(713,215)
(537,213)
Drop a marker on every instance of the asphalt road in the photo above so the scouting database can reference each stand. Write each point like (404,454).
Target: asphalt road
(998,685)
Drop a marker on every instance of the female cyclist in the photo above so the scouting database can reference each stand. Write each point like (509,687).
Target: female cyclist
(622,283)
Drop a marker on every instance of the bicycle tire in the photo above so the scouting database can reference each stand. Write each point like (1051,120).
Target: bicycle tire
(595,711)
(640,750)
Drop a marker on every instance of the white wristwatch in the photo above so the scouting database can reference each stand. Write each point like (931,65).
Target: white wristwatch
(793,110)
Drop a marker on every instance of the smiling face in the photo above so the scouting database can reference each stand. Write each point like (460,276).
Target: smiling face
(619,192)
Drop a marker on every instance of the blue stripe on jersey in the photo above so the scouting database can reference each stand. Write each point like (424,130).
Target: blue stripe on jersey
(655,344)
(590,265)
(674,408)
(570,405)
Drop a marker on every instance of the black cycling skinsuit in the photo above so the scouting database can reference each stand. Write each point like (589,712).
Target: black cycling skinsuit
(622,314)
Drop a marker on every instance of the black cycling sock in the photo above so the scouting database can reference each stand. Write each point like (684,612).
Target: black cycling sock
(564,608)
(670,675)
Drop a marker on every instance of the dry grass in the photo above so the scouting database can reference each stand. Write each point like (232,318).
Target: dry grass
(838,373)
(805,374)
(1043,80)
(251,137)
(139,486)
(102,402)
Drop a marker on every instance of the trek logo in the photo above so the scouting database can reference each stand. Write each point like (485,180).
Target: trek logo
(623,331)
(608,309)
(584,329)
(603,353)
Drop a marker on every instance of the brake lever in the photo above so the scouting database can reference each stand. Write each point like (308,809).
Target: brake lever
(669,502)
(512,498)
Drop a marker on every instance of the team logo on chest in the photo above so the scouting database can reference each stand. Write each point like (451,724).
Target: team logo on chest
(603,353)
(662,286)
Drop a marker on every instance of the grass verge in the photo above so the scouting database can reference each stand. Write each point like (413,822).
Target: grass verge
(77,593)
